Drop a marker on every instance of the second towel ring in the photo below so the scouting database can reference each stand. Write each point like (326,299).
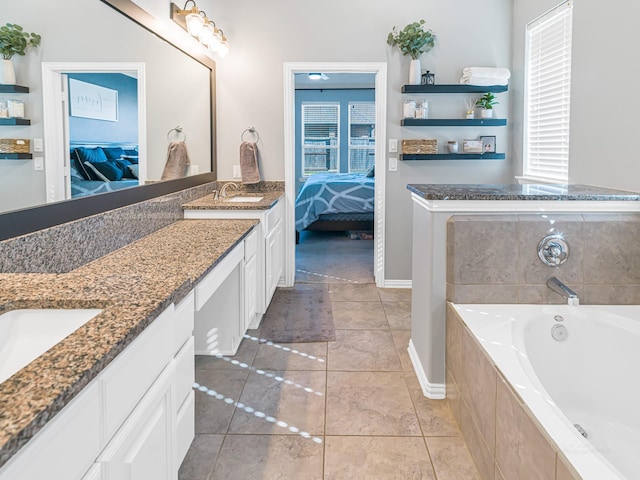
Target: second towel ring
(250,130)
(179,134)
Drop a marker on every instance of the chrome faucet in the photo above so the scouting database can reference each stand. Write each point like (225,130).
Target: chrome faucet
(560,288)
(223,190)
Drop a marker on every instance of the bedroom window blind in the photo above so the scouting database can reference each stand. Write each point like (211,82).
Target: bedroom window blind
(547,96)
(362,136)
(321,138)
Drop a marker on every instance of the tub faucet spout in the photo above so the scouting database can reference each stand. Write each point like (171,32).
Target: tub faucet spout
(561,289)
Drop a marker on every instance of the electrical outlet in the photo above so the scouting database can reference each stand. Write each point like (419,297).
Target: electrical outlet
(37,145)
(38,163)
(236,171)
(195,169)
(393,164)
(393,145)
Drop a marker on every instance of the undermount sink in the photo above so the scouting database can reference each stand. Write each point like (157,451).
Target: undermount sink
(26,334)
(240,199)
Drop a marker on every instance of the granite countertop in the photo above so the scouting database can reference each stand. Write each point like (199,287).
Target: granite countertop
(208,202)
(132,286)
(519,192)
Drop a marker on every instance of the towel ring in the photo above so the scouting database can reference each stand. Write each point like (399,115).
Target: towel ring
(253,131)
(179,135)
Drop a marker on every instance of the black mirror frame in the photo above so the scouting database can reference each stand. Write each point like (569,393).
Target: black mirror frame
(29,220)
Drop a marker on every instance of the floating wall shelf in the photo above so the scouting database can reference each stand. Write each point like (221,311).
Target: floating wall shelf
(13,89)
(454,88)
(453,122)
(452,156)
(14,121)
(16,156)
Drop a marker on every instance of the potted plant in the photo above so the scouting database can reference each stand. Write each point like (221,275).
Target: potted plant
(413,40)
(485,104)
(13,41)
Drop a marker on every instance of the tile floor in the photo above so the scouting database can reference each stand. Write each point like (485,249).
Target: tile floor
(349,409)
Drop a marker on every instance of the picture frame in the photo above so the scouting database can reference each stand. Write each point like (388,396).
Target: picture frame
(488,143)
(472,146)
(428,78)
(87,100)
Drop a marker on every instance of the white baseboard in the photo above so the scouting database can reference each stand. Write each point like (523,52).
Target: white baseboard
(435,391)
(396,284)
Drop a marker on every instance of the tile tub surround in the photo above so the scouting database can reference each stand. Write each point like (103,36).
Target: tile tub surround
(493,258)
(132,285)
(519,192)
(504,438)
(65,247)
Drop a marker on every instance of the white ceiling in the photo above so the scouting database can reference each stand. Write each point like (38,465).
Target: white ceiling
(336,80)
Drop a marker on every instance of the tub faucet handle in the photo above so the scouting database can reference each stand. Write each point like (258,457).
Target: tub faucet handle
(553,250)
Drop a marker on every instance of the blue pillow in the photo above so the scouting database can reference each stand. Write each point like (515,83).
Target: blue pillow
(108,169)
(113,153)
(371,172)
(124,166)
(91,155)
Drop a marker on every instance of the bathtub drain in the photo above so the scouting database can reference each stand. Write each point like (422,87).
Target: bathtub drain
(581,430)
(559,332)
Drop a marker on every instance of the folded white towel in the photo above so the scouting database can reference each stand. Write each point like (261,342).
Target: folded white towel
(490,72)
(483,81)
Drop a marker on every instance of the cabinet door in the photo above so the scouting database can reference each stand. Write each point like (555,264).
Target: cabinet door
(250,291)
(274,259)
(143,448)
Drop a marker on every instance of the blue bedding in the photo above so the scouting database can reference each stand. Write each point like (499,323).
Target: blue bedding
(325,193)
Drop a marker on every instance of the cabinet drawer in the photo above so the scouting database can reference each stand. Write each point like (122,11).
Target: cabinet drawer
(273,216)
(185,371)
(185,427)
(250,245)
(130,375)
(212,281)
(183,321)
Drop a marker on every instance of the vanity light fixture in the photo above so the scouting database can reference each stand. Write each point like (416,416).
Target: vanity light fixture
(196,22)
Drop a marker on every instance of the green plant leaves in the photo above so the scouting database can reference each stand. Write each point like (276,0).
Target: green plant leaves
(14,40)
(487,101)
(412,40)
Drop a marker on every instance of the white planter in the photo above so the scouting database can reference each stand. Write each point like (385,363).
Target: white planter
(7,73)
(485,113)
(415,74)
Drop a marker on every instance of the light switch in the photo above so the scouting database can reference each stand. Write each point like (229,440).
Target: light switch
(38,163)
(37,145)
(393,145)
(393,164)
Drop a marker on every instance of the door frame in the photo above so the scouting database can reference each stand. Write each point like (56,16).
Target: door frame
(56,143)
(380,71)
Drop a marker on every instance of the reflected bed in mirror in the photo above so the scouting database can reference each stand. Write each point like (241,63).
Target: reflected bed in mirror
(180,82)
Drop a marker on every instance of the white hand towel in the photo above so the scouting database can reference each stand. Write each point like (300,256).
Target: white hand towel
(249,162)
(483,81)
(490,72)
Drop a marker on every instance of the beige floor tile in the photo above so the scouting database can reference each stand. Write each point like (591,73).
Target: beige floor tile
(296,398)
(292,356)
(201,457)
(401,341)
(269,457)
(398,315)
(366,292)
(213,414)
(395,294)
(370,350)
(451,459)
(381,458)
(245,354)
(359,315)
(369,403)
(435,416)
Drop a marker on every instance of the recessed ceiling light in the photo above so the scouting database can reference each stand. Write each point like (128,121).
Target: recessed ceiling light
(317,76)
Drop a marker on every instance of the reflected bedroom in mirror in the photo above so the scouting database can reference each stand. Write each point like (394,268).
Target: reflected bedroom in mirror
(100,104)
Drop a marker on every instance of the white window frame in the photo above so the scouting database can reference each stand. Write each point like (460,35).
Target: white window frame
(546,135)
(371,148)
(304,146)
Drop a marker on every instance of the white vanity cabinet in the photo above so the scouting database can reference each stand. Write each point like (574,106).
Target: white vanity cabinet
(269,254)
(135,420)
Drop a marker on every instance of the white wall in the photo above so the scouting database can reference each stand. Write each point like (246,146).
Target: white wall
(80,30)
(265,35)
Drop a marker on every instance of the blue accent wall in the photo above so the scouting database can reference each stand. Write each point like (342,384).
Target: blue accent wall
(343,96)
(125,130)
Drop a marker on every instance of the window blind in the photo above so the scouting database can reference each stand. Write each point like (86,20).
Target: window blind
(547,95)
(321,138)
(362,128)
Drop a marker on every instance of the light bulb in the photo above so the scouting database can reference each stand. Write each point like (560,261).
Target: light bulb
(195,23)
(223,49)
(206,34)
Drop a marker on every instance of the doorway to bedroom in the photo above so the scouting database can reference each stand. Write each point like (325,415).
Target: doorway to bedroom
(334,137)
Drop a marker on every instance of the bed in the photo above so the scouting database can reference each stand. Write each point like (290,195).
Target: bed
(102,167)
(336,202)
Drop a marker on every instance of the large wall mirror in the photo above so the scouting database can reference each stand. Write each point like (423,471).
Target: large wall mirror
(179,90)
